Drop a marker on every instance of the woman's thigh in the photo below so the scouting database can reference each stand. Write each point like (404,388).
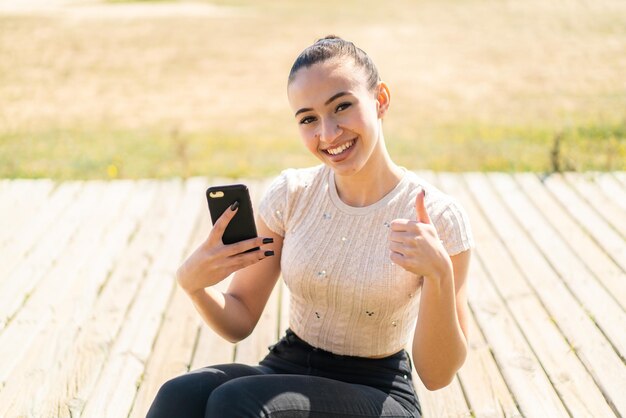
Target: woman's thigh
(186,395)
(288,395)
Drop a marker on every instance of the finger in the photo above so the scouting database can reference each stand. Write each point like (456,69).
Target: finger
(404,237)
(402,225)
(420,207)
(397,258)
(402,261)
(222,222)
(243,246)
(396,247)
(240,261)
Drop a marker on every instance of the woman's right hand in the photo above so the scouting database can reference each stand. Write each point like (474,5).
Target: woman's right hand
(213,260)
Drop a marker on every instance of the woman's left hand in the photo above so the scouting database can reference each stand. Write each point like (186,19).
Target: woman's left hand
(415,245)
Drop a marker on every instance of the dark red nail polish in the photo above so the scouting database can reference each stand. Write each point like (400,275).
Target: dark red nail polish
(269,253)
(268,240)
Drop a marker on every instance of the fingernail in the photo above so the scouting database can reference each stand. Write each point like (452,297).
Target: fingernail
(424,192)
(234,206)
(268,240)
(269,253)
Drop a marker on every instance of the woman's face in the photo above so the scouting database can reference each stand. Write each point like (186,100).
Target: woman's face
(337,115)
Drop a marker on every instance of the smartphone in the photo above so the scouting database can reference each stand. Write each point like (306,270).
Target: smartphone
(242,226)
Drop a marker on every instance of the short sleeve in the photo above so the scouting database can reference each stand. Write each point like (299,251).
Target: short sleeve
(454,228)
(273,207)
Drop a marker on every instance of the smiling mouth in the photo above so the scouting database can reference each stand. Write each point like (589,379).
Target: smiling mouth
(340,149)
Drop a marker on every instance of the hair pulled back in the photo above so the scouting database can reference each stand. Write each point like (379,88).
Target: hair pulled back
(331,47)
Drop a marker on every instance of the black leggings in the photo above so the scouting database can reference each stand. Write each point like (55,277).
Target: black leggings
(293,380)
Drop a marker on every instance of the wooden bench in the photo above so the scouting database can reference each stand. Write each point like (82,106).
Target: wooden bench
(92,323)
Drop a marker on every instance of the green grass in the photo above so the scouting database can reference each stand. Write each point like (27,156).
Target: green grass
(476,85)
(103,153)
(479,147)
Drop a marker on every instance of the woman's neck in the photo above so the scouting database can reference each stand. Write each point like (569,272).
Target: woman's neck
(373,182)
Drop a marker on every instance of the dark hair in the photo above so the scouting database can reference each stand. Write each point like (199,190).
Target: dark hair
(333,46)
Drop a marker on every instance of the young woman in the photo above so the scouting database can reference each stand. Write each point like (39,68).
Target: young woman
(362,244)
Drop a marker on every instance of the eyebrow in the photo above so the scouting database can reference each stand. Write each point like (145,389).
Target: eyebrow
(335,96)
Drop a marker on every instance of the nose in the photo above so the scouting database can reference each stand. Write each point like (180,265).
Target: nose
(329,131)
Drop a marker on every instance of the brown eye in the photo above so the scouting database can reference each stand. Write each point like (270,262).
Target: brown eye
(343,106)
(307,120)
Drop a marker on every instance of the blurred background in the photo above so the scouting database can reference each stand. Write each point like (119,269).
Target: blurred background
(102,89)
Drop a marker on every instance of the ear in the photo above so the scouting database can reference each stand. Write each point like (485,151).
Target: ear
(383,97)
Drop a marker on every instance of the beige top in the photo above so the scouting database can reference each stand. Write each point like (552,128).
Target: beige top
(347,296)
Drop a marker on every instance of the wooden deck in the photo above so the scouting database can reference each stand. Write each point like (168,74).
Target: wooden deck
(91,322)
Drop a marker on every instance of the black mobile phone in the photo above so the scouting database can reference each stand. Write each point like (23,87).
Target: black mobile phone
(242,226)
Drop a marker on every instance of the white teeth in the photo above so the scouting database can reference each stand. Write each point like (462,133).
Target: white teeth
(340,148)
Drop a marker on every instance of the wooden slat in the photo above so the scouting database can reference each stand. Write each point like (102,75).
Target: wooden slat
(607,314)
(532,389)
(620,176)
(116,388)
(483,385)
(211,349)
(612,188)
(89,356)
(93,343)
(14,194)
(595,225)
(69,293)
(16,211)
(591,346)
(481,380)
(21,330)
(612,277)
(493,280)
(73,301)
(589,190)
(446,402)
(173,349)
(37,234)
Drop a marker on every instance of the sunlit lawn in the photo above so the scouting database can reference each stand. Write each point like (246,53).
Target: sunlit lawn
(476,85)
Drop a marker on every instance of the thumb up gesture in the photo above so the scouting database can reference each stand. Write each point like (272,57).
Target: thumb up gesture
(415,245)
